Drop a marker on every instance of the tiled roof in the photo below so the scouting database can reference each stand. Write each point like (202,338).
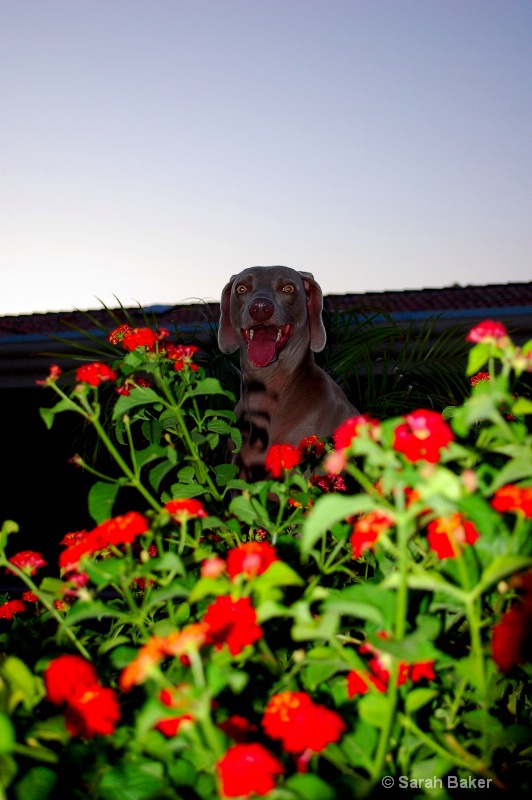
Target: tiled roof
(415,301)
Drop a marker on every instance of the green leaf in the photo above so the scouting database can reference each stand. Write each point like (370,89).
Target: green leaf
(364,601)
(48,414)
(374,709)
(132,781)
(522,406)
(8,527)
(102,496)
(208,386)
(7,734)
(500,568)
(225,473)
(310,787)
(515,470)
(93,609)
(24,687)
(328,510)
(160,596)
(417,698)
(478,356)
(37,783)
(139,396)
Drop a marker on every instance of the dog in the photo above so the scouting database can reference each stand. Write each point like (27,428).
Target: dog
(274,316)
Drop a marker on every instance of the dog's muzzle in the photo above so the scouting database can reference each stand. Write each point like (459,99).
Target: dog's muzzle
(265,342)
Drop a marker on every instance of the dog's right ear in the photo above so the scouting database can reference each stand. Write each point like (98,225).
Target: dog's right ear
(227,336)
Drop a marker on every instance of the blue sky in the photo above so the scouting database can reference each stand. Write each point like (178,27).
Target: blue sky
(151,148)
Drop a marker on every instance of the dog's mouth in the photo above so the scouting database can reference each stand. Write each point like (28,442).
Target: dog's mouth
(264,342)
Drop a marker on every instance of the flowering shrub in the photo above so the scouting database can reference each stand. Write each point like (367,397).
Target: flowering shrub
(294,637)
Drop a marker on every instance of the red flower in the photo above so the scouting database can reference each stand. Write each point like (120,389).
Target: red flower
(367,530)
(280,457)
(480,377)
(29,597)
(212,567)
(251,559)
(28,561)
(93,712)
(173,698)
(448,535)
(185,509)
(382,662)
(12,607)
(300,723)
(232,622)
(116,531)
(247,769)
(68,676)
(118,334)
(516,499)
(132,383)
(358,682)
(95,373)
(237,727)
(511,641)
(488,332)
(53,375)
(422,436)
(311,445)
(354,426)
(139,337)
(182,355)
(329,482)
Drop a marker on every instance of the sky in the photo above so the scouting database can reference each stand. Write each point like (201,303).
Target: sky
(150,149)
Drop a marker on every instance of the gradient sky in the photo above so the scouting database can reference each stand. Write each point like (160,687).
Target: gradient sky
(149,149)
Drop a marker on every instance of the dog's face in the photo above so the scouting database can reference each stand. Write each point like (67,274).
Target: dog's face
(265,310)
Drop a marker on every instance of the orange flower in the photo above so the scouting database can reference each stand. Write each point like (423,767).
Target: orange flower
(191,638)
(300,723)
(138,670)
(250,559)
(516,499)
(448,535)
(367,530)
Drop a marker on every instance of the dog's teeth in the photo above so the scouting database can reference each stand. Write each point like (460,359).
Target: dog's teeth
(279,333)
(251,334)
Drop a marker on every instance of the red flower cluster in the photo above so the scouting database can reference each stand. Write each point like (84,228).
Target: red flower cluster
(311,445)
(511,641)
(301,723)
(89,708)
(132,383)
(516,499)
(488,332)
(448,535)
(130,338)
(246,769)
(280,457)
(182,355)
(28,561)
(116,531)
(237,727)
(367,530)
(95,373)
(380,665)
(360,425)
(422,436)
(480,377)
(330,482)
(10,608)
(53,375)
(185,509)
(250,559)
(232,622)
(174,698)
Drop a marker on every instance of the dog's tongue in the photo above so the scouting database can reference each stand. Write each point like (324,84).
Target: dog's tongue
(261,349)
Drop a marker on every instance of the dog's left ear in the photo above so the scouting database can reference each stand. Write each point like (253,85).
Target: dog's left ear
(318,337)
(227,336)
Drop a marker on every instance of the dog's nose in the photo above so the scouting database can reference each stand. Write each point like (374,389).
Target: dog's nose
(261,309)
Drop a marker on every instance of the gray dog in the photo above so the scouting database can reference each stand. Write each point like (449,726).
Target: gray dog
(273,314)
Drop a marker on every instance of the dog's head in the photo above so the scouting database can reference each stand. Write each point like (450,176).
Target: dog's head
(268,309)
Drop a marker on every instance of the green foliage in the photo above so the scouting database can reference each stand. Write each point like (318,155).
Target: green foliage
(389,624)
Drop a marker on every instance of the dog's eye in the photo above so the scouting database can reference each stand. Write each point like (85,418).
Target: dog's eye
(289,288)
(240,289)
